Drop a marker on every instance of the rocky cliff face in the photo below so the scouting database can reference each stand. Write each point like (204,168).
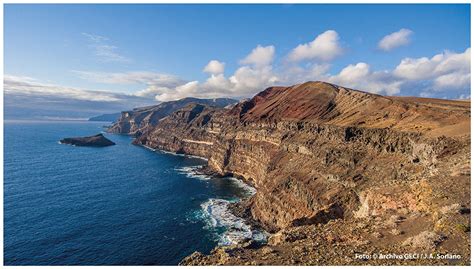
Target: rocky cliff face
(319,154)
(136,121)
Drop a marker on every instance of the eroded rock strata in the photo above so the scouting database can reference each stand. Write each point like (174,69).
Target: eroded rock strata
(136,121)
(338,172)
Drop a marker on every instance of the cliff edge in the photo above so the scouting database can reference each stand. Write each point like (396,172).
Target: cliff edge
(338,172)
(138,120)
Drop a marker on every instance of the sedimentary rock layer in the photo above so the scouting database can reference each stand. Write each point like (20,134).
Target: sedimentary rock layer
(318,153)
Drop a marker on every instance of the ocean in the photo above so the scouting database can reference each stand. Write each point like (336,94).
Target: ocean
(118,205)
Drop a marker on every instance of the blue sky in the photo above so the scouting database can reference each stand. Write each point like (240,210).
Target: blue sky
(159,52)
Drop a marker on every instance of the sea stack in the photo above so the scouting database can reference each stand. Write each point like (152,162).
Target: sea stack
(97,140)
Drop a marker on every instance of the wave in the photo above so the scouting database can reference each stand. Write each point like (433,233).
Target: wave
(147,147)
(228,228)
(249,190)
(61,143)
(192,172)
(218,216)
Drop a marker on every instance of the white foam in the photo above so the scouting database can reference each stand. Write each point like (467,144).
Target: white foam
(60,143)
(229,228)
(241,184)
(191,172)
(147,147)
(218,216)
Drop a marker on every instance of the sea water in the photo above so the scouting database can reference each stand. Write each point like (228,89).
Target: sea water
(118,205)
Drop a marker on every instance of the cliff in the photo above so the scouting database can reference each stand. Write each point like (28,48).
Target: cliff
(136,121)
(335,167)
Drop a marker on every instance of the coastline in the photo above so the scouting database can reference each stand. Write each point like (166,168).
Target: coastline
(234,214)
(173,153)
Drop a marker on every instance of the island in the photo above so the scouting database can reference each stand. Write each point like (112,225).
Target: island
(97,140)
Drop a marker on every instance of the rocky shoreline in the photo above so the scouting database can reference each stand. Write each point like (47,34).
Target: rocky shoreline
(238,209)
(340,174)
(241,209)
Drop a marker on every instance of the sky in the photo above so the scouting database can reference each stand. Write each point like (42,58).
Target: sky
(78,60)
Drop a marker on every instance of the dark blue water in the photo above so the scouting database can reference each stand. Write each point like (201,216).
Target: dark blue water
(118,205)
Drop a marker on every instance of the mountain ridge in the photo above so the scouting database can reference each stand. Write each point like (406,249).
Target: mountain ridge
(137,120)
(326,103)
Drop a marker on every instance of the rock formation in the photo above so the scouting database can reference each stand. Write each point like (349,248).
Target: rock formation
(136,121)
(337,172)
(97,140)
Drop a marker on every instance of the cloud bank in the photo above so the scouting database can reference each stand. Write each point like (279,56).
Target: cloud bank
(26,97)
(445,73)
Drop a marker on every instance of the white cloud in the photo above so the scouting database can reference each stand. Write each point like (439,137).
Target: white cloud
(324,47)
(294,74)
(247,80)
(214,67)
(186,90)
(216,83)
(443,74)
(395,40)
(450,61)
(456,80)
(105,51)
(30,86)
(152,91)
(155,83)
(255,75)
(29,98)
(416,69)
(188,87)
(448,70)
(260,56)
(360,76)
(137,77)
(353,73)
